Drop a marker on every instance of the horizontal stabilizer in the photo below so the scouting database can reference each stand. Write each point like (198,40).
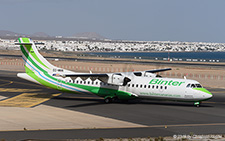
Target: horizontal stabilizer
(23,43)
(29,43)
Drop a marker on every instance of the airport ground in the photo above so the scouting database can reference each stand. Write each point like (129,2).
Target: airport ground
(31,111)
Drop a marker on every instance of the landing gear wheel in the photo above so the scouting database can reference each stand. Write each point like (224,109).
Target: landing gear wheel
(108,100)
(114,99)
(197,104)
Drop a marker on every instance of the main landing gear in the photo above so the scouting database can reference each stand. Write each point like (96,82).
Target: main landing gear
(110,99)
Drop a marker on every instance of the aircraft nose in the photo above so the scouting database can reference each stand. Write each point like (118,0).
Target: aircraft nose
(207,94)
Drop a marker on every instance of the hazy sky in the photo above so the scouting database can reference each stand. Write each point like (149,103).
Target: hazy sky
(174,20)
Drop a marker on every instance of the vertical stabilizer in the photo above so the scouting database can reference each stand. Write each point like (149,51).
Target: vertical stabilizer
(34,61)
(32,58)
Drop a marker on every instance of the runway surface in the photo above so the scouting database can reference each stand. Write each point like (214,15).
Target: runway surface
(148,118)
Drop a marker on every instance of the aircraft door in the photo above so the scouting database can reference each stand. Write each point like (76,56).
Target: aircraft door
(189,93)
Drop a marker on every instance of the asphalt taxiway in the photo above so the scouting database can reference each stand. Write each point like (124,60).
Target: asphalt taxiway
(137,118)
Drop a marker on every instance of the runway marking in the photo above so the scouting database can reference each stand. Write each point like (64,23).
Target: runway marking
(18,90)
(7,83)
(27,100)
(32,84)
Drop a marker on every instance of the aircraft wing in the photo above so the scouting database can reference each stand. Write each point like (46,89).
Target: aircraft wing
(110,78)
(106,75)
(158,70)
(87,75)
(115,78)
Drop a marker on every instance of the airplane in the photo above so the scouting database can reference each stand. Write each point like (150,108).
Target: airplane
(111,86)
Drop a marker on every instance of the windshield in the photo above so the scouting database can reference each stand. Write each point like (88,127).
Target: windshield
(198,86)
(194,86)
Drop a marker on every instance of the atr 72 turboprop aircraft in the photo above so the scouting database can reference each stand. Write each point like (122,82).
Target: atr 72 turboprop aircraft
(121,85)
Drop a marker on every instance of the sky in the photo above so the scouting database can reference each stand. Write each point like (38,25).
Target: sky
(142,20)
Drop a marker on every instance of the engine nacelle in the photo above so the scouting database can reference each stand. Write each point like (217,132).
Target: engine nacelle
(118,79)
(148,74)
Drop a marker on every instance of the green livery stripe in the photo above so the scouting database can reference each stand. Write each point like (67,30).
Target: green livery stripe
(31,51)
(28,57)
(203,90)
(43,82)
(19,40)
(26,40)
(103,92)
(36,58)
(97,90)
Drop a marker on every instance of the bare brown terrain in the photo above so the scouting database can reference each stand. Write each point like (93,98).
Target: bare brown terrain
(207,76)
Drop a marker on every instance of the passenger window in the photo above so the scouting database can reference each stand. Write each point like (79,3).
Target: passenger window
(144,86)
(157,87)
(137,85)
(192,85)
(165,87)
(161,87)
(140,86)
(153,87)
(149,86)
(132,85)
(128,85)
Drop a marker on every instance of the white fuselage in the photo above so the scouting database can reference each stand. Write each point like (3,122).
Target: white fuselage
(165,88)
(149,87)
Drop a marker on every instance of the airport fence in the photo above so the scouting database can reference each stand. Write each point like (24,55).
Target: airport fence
(97,69)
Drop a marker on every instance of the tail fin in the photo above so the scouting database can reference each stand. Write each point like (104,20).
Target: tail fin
(34,61)
(38,69)
(32,58)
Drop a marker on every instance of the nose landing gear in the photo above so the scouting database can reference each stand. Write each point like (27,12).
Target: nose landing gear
(197,104)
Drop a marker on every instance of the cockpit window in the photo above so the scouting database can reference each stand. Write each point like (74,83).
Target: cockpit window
(194,86)
(188,85)
(198,85)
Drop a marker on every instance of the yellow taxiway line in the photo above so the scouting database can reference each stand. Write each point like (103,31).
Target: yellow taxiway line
(27,100)
(6,83)
(31,84)
(18,90)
